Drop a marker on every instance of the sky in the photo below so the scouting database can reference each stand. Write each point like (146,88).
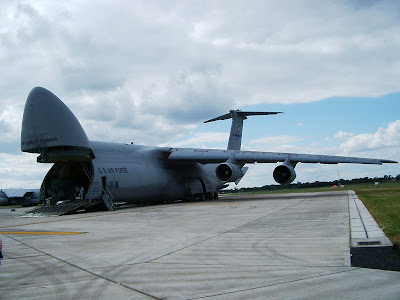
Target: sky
(150,72)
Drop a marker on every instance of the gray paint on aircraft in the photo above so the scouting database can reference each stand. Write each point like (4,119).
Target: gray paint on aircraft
(48,122)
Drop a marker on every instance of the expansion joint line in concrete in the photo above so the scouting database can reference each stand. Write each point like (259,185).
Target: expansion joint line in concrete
(85,270)
(359,213)
(349,218)
(275,284)
(221,233)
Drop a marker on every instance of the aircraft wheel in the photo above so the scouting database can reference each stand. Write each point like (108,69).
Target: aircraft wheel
(216,196)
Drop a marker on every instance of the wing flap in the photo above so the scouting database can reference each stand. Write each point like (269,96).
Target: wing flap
(200,155)
(260,157)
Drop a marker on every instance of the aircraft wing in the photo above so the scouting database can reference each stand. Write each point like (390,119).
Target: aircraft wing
(218,156)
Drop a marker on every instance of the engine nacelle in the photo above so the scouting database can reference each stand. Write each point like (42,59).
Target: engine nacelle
(228,172)
(284,174)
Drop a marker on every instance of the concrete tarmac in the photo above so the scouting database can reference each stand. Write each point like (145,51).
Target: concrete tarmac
(287,246)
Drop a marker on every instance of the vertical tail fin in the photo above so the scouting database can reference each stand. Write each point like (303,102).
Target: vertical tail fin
(237,116)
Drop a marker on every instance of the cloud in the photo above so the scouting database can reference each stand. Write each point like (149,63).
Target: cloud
(388,137)
(343,135)
(252,50)
(282,139)
(21,171)
(10,123)
(148,71)
(204,140)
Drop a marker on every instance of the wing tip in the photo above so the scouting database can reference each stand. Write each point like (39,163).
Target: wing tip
(388,161)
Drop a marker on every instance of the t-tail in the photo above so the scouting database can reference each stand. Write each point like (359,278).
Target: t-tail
(237,116)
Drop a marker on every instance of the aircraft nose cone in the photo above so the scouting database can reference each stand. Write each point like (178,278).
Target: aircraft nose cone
(48,122)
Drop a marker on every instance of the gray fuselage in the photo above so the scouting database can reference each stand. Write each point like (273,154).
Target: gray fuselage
(132,174)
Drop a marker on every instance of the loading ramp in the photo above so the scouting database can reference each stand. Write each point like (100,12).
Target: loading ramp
(56,210)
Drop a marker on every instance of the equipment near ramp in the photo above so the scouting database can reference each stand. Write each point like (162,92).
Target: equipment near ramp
(56,210)
(108,199)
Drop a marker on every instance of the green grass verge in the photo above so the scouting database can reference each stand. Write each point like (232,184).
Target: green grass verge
(384,205)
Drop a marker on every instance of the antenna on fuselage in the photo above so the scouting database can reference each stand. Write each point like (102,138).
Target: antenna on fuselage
(237,116)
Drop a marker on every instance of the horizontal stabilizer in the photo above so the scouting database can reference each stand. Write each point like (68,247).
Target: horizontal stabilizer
(242,114)
(237,116)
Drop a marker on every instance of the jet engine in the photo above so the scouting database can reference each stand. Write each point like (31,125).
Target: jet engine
(228,172)
(284,174)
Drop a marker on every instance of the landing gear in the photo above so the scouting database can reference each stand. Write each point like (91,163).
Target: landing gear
(202,197)
(210,196)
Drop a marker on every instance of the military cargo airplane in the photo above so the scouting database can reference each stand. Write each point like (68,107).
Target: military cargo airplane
(24,197)
(110,172)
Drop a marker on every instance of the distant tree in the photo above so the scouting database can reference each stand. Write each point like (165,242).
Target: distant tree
(387,177)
